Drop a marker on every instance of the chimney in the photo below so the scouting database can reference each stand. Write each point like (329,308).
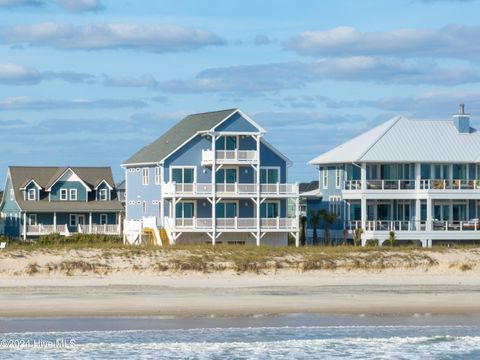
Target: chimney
(462,120)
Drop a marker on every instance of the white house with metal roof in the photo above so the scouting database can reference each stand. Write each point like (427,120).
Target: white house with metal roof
(417,178)
(211,178)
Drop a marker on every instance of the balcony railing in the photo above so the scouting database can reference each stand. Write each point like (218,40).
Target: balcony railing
(399,225)
(106,229)
(234,189)
(424,184)
(41,229)
(230,156)
(247,224)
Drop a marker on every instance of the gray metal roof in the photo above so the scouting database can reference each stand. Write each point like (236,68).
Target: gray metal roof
(45,176)
(404,140)
(177,135)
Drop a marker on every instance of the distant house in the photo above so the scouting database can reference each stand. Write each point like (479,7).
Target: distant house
(310,199)
(65,200)
(121,192)
(213,178)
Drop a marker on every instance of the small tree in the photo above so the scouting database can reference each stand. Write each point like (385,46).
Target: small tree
(391,238)
(357,236)
(328,219)
(303,236)
(314,220)
(345,236)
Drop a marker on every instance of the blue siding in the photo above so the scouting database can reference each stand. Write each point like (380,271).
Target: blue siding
(101,187)
(81,191)
(247,143)
(138,192)
(11,211)
(269,158)
(236,123)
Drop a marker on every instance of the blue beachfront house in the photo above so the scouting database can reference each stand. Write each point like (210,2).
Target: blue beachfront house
(213,178)
(65,200)
(418,178)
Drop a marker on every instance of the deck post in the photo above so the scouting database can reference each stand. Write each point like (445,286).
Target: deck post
(428,226)
(55,222)
(25,226)
(214,188)
(258,190)
(90,223)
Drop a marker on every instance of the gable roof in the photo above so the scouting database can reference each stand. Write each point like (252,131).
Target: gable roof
(405,140)
(44,175)
(55,179)
(177,135)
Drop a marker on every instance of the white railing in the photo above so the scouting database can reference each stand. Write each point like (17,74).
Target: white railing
(455,184)
(352,185)
(387,225)
(226,156)
(424,184)
(390,184)
(41,229)
(205,189)
(470,225)
(107,229)
(235,223)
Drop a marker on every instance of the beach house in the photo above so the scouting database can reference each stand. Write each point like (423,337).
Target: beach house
(213,178)
(419,179)
(64,200)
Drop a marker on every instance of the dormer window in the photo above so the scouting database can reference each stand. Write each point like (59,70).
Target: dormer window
(73,194)
(31,194)
(63,194)
(102,194)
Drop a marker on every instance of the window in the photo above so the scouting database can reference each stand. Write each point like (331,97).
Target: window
(103,219)
(157,176)
(334,205)
(226,143)
(144,207)
(337,177)
(31,194)
(73,220)
(269,209)
(183,175)
(226,210)
(32,219)
(102,194)
(145,176)
(325,177)
(185,210)
(269,176)
(73,194)
(63,194)
(226,176)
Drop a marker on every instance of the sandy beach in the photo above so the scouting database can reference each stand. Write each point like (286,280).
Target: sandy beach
(449,286)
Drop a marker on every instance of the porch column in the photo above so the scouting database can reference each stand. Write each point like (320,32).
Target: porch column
(258,191)
(214,189)
(24,226)
(363,180)
(363,210)
(54,222)
(418,210)
(90,223)
(418,172)
(429,214)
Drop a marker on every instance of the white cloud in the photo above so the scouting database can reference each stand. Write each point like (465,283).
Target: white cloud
(15,74)
(26,103)
(146,80)
(453,41)
(146,37)
(15,3)
(78,6)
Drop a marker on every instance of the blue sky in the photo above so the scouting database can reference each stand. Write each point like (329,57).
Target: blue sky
(89,82)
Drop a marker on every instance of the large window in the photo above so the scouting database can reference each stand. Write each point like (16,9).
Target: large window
(185,210)
(226,143)
(460,171)
(269,176)
(441,171)
(269,209)
(226,209)
(32,194)
(334,205)
(145,176)
(183,175)
(226,176)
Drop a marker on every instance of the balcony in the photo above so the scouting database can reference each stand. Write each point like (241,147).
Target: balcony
(400,225)
(232,224)
(424,184)
(230,157)
(40,229)
(235,189)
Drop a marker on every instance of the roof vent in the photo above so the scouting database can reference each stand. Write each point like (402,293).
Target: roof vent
(462,120)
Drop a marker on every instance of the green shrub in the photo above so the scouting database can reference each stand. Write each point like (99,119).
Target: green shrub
(372,242)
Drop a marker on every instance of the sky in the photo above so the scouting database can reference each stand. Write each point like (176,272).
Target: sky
(90,82)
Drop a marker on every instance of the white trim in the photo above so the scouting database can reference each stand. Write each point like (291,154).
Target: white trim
(338,177)
(4,197)
(279,172)
(237,174)
(325,178)
(276,151)
(36,184)
(237,141)
(30,217)
(72,216)
(278,202)
(71,192)
(158,175)
(100,195)
(100,219)
(34,198)
(101,182)
(188,202)
(145,176)
(69,169)
(237,209)
(66,194)
(245,116)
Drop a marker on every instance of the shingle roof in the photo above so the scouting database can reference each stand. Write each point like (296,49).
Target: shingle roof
(312,185)
(177,135)
(404,140)
(44,176)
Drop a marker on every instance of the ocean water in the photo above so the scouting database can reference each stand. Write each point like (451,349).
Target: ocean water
(280,338)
